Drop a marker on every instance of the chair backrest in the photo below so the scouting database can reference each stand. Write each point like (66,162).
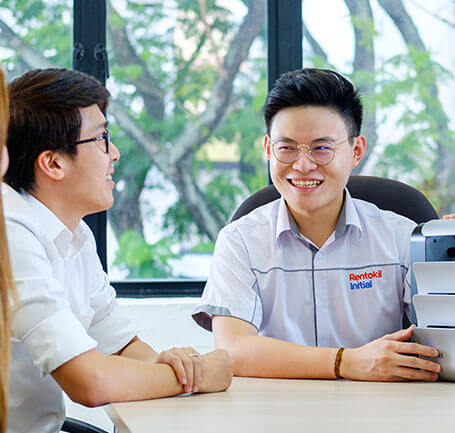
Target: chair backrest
(386,194)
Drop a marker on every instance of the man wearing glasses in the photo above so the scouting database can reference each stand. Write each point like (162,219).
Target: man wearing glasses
(297,280)
(68,332)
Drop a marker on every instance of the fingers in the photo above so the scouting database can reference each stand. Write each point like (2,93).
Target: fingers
(401,335)
(411,374)
(414,368)
(187,365)
(419,363)
(198,372)
(194,366)
(416,349)
(449,216)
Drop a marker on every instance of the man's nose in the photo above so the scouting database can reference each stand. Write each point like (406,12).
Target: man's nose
(303,163)
(113,150)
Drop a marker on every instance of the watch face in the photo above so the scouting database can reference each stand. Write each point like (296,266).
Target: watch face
(443,339)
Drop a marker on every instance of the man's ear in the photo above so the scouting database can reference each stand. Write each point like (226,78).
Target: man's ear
(51,164)
(359,148)
(267,144)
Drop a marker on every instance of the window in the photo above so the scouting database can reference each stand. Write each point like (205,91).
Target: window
(35,34)
(398,53)
(188,80)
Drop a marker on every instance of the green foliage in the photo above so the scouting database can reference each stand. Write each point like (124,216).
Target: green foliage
(405,78)
(222,193)
(46,26)
(127,73)
(366,29)
(142,259)
(204,248)
(179,222)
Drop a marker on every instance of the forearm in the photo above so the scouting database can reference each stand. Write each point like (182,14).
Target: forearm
(257,356)
(137,349)
(94,379)
(130,379)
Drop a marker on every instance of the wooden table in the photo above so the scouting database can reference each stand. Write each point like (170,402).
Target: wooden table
(287,406)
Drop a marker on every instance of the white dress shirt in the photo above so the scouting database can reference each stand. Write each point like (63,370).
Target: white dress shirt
(67,307)
(345,294)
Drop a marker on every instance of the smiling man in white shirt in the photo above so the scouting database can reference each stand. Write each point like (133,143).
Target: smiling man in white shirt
(69,333)
(312,285)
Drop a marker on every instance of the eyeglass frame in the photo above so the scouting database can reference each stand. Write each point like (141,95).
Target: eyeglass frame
(106,136)
(308,146)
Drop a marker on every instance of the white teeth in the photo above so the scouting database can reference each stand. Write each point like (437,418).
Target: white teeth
(109,177)
(306,183)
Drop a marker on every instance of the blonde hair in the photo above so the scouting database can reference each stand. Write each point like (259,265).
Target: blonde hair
(7,293)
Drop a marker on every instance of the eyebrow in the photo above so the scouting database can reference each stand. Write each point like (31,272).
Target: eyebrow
(316,140)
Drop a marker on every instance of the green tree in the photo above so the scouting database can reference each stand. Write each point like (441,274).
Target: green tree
(424,153)
(178,71)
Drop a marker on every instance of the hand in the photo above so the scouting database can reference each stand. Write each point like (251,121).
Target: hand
(388,359)
(188,364)
(218,372)
(450,216)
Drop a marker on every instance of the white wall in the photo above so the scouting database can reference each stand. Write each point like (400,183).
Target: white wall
(162,323)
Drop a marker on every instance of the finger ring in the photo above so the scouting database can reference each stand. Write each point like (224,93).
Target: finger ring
(193,355)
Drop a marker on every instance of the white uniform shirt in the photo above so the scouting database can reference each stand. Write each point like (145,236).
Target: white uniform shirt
(67,307)
(349,292)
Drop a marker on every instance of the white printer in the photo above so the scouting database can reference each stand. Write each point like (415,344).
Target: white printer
(433,290)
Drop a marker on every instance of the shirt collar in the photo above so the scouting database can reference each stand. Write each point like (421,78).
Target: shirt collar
(67,242)
(348,217)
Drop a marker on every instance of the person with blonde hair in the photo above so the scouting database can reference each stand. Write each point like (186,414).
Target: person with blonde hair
(6,284)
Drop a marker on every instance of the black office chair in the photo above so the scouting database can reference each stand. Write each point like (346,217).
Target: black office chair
(72,425)
(386,194)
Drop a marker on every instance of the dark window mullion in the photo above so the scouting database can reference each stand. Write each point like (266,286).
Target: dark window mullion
(90,56)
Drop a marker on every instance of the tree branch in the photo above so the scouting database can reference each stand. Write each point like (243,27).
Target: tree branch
(146,84)
(145,142)
(317,49)
(29,55)
(432,14)
(444,170)
(364,61)
(197,132)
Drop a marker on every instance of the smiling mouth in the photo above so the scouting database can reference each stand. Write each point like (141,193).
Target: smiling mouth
(305,183)
(109,177)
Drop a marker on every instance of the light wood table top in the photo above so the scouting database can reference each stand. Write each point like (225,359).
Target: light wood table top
(287,406)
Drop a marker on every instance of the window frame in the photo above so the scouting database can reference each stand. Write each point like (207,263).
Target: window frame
(284,53)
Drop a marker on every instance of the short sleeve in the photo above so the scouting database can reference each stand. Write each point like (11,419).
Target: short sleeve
(231,289)
(111,326)
(43,320)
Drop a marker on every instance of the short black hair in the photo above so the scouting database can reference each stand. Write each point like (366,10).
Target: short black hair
(317,87)
(44,115)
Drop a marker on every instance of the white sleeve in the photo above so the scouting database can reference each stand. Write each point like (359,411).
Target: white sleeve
(111,326)
(43,321)
(231,289)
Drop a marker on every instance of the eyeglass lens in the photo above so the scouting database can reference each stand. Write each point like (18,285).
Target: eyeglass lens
(321,153)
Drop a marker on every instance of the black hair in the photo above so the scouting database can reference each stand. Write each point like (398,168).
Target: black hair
(44,115)
(317,87)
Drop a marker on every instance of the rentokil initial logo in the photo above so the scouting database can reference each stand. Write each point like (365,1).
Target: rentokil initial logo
(365,280)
